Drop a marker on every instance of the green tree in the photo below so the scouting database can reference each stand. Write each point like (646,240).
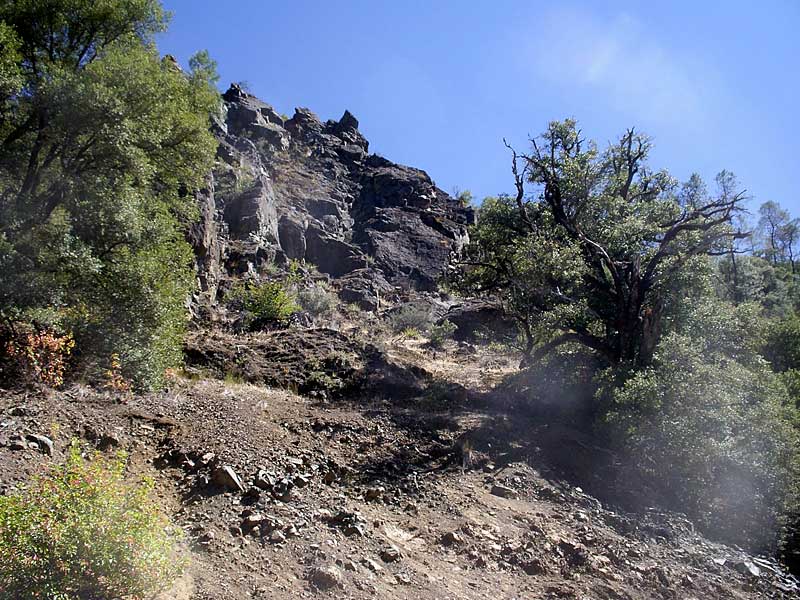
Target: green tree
(594,257)
(748,278)
(779,234)
(103,143)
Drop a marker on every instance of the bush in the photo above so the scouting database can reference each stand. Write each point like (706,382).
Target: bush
(83,531)
(411,316)
(441,332)
(713,435)
(265,303)
(36,355)
(317,300)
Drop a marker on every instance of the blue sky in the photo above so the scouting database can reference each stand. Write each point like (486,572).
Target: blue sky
(438,84)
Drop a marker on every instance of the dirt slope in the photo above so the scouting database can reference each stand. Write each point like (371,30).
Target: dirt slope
(377,499)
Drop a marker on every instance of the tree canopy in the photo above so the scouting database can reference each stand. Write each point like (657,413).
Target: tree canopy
(102,144)
(598,246)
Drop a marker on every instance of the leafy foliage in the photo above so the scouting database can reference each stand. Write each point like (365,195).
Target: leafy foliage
(102,143)
(264,303)
(317,300)
(411,316)
(441,332)
(592,258)
(83,531)
(39,356)
(713,435)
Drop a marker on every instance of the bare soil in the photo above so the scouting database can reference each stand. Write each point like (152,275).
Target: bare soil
(444,494)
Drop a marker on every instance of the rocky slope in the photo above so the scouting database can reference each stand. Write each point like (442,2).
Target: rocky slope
(446,494)
(297,188)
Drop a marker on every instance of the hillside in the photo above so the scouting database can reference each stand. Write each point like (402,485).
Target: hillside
(242,355)
(342,452)
(373,496)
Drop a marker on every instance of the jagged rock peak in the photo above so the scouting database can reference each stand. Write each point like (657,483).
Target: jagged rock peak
(297,188)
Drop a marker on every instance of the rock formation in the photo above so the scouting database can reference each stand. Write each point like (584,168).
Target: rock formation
(298,188)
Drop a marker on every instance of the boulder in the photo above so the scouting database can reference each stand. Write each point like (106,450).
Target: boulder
(44,443)
(304,126)
(274,135)
(478,319)
(409,253)
(346,129)
(331,255)
(252,214)
(366,288)
(226,478)
(326,577)
(292,236)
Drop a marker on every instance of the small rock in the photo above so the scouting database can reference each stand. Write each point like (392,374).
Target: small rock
(371,565)
(504,492)
(264,481)
(349,565)
(326,578)
(291,531)
(451,538)
(351,530)
(251,522)
(374,493)
(391,554)
(277,537)
(663,576)
(746,567)
(253,493)
(534,566)
(206,539)
(227,478)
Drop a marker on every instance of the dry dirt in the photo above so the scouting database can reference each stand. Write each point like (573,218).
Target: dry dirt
(441,496)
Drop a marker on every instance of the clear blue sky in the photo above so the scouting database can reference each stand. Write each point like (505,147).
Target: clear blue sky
(437,84)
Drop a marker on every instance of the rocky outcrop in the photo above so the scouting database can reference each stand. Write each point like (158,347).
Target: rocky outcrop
(300,189)
(479,319)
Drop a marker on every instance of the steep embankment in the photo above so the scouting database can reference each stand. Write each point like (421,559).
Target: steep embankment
(441,495)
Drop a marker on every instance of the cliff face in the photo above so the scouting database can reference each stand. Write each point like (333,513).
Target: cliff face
(298,188)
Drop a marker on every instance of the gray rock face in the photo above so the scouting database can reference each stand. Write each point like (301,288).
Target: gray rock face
(301,189)
(252,214)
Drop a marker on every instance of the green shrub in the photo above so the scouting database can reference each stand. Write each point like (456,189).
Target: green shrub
(441,332)
(264,303)
(83,531)
(317,300)
(713,435)
(411,316)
